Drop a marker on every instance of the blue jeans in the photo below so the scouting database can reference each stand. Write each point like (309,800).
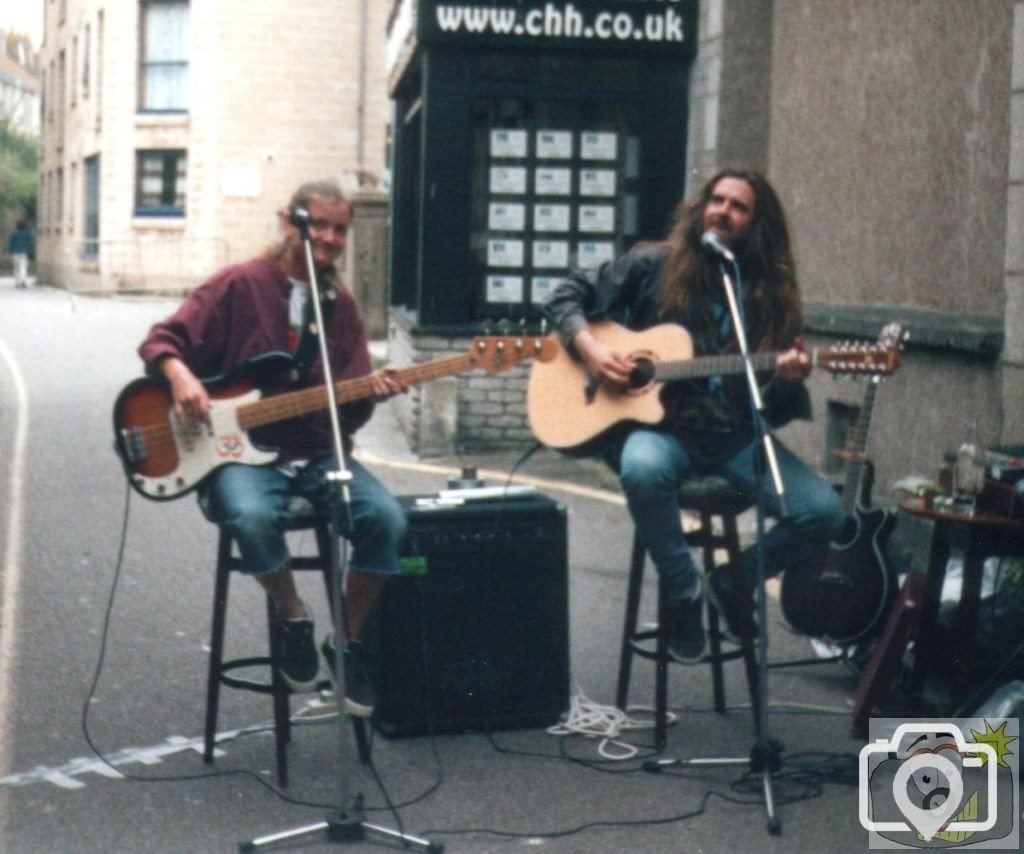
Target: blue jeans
(252,503)
(653,464)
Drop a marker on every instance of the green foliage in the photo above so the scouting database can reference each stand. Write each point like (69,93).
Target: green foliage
(19,181)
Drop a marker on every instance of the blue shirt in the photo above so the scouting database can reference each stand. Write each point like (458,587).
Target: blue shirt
(19,242)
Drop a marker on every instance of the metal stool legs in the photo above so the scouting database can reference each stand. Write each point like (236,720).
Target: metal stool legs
(219,670)
(633,638)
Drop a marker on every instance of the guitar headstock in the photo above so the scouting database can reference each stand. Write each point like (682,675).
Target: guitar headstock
(495,353)
(858,357)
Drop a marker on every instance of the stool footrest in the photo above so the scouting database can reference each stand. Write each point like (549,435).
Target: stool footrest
(245,684)
(636,643)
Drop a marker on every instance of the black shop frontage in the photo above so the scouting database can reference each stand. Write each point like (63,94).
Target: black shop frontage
(527,139)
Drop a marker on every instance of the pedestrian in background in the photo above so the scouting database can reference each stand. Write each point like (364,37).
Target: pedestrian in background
(20,249)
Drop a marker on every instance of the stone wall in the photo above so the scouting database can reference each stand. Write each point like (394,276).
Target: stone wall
(461,413)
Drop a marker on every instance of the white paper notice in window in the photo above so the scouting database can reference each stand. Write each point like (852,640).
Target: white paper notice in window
(599,218)
(508,143)
(598,145)
(554,144)
(597,182)
(551,217)
(552,181)
(504,289)
(504,253)
(506,216)
(541,288)
(550,253)
(592,253)
(508,180)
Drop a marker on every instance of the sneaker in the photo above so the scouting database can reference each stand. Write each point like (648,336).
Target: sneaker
(359,694)
(300,664)
(687,641)
(733,596)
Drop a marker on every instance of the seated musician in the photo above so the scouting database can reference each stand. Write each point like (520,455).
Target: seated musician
(708,429)
(261,306)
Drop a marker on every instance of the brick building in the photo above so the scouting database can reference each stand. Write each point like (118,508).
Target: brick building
(173,130)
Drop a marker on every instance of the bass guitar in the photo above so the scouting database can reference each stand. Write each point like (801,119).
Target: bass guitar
(570,412)
(166,459)
(846,597)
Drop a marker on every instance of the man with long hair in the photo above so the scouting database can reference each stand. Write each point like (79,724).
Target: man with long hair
(261,306)
(708,428)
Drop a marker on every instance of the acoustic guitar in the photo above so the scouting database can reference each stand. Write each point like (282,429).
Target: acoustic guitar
(844,598)
(166,459)
(570,412)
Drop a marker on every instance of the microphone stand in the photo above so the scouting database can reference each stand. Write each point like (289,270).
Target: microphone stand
(347,824)
(765,754)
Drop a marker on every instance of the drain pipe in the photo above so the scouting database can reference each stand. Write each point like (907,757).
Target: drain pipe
(361,102)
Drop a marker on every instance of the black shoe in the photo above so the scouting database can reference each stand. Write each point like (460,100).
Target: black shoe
(733,596)
(687,642)
(300,664)
(359,694)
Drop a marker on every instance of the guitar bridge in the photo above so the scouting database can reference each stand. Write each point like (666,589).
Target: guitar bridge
(133,444)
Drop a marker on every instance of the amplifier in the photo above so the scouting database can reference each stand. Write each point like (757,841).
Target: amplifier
(474,634)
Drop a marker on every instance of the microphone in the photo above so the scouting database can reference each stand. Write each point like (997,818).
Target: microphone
(299,217)
(712,242)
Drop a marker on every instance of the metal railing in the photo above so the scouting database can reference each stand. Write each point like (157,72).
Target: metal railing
(144,264)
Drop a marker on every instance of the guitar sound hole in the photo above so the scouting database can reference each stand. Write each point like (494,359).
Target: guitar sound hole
(642,374)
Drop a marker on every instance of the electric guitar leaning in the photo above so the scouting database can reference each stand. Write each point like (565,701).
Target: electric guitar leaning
(570,412)
(165,459)
(845,597)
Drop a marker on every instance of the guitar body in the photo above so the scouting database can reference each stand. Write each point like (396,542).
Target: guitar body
(847,597)
(165,460)
(567,412)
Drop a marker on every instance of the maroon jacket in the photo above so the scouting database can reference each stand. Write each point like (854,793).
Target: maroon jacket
(242,312)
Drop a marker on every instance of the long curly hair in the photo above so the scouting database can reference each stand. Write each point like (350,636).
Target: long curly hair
(769,273)
(326,190)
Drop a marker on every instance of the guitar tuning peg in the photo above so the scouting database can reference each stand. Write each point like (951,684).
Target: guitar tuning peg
(543,326)
(503,326)
(487,326)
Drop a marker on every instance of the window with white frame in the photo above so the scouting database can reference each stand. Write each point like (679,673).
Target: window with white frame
(163,55)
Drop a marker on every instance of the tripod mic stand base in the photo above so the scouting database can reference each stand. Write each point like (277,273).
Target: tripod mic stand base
(765,759)
(344,826)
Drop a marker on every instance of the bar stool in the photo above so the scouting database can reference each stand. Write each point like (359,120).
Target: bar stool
(301,518)
(710,498)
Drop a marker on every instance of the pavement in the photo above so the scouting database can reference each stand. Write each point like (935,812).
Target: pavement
(585,790)
(622,807)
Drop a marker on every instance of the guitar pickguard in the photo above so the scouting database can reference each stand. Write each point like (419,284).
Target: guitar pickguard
(200,449)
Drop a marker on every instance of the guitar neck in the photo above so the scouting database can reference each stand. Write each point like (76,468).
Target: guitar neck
(711,366)
(295,403)
(857,465)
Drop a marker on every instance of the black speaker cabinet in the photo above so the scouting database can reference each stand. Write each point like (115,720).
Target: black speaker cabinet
(474,635)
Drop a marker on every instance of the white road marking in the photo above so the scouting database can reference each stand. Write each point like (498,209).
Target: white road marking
(69,775)
(10,571)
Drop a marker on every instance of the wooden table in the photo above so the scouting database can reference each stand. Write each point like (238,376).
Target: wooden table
(976,536)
